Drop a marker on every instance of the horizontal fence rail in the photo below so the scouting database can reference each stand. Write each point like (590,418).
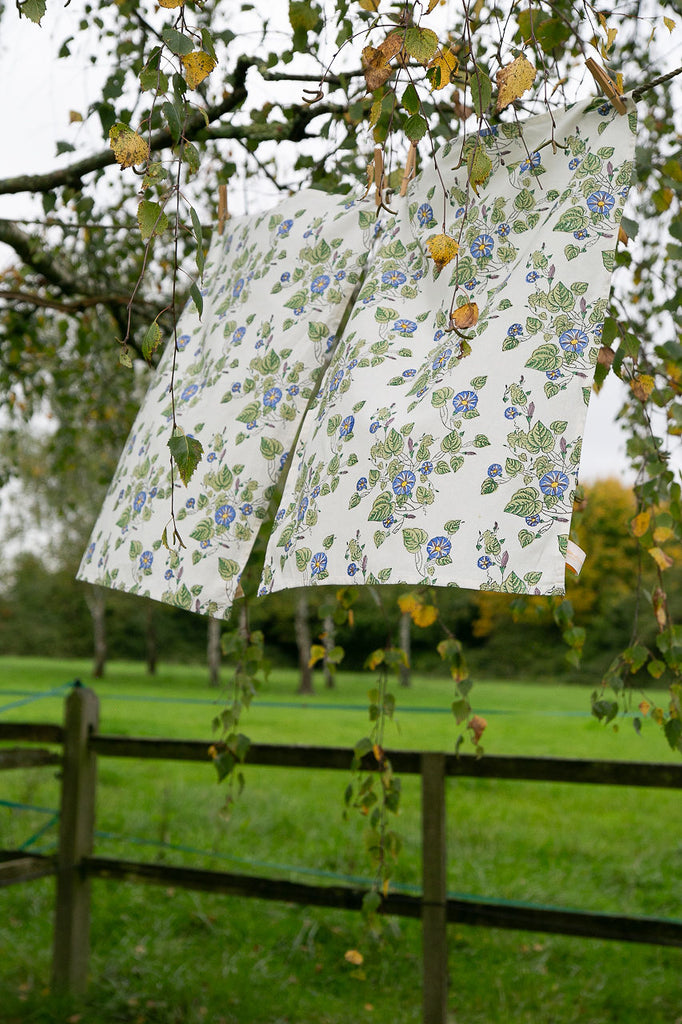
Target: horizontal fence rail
(75,864)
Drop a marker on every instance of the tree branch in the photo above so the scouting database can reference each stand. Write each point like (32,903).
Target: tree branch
(74,306)
(73,174)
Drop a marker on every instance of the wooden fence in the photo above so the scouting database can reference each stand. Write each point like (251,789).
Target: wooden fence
(75,866)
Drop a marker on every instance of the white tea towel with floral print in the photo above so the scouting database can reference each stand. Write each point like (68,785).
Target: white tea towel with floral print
(418,463)
(277,286)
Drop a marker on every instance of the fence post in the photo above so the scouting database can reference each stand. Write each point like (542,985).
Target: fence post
(77,821)
(434,884)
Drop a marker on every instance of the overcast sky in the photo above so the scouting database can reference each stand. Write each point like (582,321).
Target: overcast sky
(37,92)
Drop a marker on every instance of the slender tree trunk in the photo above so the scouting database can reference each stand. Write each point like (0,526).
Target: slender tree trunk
(96,602)
(329,642)
(213,651)
(405,643)
(302,633)
(150,641)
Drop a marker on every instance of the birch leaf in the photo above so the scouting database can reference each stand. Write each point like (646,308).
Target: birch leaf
(465,316)
(151,218)
(662,560)
(198,66)
(421,43)
(442,249)
(186,452)
(375,61)
(444,64)
(170,3)
(513,81)
(479,166)
(129,147)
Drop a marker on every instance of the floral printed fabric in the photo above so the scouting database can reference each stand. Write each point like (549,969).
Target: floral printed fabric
(418,464)
(277,288)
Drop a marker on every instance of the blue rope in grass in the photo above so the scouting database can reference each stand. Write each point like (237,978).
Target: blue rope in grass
(33,695)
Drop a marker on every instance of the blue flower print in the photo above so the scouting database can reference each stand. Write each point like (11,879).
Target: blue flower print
(352,569)
(139,501)
(152,493)
(438,547)
(90,552)
(403,482)
(394,278)
(146,559)
(459,213)
(418,275)
(298,310)
(470,285)
(580,234)
(438,335)
(424,215)
(183,342)
(283,459)
(554,483)
(189,392)
(515,330)
(168,575)
(224,515)
(280,515)
(211,457)
(553,374)
(293,390)
(374,426)
(190,503)
(286,276)
(503,230)
(252,424)
(361,485)
(465,401)
(388,522)
(601,202)
(271,397)
(319,284)
(511,413)
(237,290)
(441,359)
(495,470)
(302,510)
(205,544)
(533,520)
(532,161)
(422,391)
(284,228)
(318,563)
(307,234)
(315,493)
(604,109)
(484,562)
(572,164)
(426,468)
(347,426)
(236,387)
(482,247)
(339,275)
(352,364)
(405,326)
(532,276)
(409,373)
(597,330)
(246,509)
(573,340)
(336,380)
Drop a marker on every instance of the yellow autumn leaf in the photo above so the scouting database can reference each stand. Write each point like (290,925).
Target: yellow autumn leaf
(513,81)
(407,603)
(375,61)
(669,24)
(642,386)
(74,116)
(424,615)
(447,62)
(640,524)
(662,534)
(375,659)
(478,725)
(622,235)
(442,249)
(662,560)
(465,316)
(644,707)
(198,66)
(129,147)
(432,4)
(354,957)
(369,5)
(170,3)
(611,34)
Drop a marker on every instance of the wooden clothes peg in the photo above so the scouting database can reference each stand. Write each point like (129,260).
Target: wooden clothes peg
(223,214)
(606,85)
(378,175)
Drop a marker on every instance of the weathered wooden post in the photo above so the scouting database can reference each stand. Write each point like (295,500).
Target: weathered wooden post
(434,884)
(76,829)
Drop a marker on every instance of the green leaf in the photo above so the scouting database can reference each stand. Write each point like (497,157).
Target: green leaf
(227,568)
(197,298)
(514,584)
(441,396)
(173,120)
(571,220)
(34,10)
(410,100)
(571,251)
(384,315)
(609,260)
(394,443)
(249,413)
(151,218)
(414,539)
(452,442)
(177,42)
(303,556)
(186,452)
(270,447)
(421,43)
(540,438)
(151,340)
(481,441)
(481,91)
(317,331)
(452,526)
(560,299)
(415,128)
(526,538)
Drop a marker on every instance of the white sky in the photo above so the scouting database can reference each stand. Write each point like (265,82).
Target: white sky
(37,91)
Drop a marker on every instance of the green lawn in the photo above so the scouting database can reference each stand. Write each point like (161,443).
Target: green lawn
(168,955)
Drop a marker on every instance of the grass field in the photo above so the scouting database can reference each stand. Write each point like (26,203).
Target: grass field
(165,956)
